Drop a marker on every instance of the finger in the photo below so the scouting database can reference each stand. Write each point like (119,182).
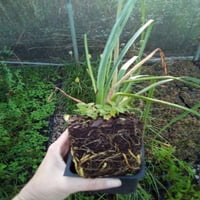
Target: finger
(63,138)
(61,145)
(82,184)
(98,184)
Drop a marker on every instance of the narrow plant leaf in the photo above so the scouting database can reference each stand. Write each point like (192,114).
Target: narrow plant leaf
(186,80)
(154,85)
(144,42)
(195,82)
(116,49)
(122,71)
(123,53)
(89,64)
(141,78)
(131,41)
(157,101)
(136,67)
(125,66)
(108,50)
(179,117)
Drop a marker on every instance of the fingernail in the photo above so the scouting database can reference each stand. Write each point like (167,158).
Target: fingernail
(114,183)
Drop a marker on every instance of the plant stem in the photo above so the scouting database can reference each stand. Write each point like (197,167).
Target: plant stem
(67,95)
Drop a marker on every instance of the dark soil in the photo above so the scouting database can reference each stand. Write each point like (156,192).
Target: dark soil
(58,125)
(106,147)
(184,134)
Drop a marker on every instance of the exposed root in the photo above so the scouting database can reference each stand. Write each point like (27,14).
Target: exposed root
(126,160)
(137,158)
(65,94)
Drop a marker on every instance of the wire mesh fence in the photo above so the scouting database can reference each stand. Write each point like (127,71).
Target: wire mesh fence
(37,30)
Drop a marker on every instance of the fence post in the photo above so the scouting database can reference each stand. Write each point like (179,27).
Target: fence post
(72,29)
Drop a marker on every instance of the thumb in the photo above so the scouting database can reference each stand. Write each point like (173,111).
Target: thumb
(87,184)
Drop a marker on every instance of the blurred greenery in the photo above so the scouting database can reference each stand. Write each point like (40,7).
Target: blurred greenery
(24,123)
(41,28)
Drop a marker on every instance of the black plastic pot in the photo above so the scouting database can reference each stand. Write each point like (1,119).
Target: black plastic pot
(129,182)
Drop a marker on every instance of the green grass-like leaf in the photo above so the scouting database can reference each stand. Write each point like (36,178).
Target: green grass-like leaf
(90,71)
(108,50)
(158,101)
(113,84)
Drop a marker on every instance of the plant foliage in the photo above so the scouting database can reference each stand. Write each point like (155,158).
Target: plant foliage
(115,76)
(23,125)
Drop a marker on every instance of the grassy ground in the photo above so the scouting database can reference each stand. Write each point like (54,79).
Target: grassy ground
(23,97)
(24,123)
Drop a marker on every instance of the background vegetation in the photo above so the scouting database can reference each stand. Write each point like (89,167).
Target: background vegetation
(39,30)
(24,123)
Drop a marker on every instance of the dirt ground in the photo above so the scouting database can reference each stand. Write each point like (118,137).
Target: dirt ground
(184,134)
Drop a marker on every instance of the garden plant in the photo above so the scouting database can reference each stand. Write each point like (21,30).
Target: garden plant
(106,135)
(159,182)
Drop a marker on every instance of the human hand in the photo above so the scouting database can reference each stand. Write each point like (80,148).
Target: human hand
(48,183)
